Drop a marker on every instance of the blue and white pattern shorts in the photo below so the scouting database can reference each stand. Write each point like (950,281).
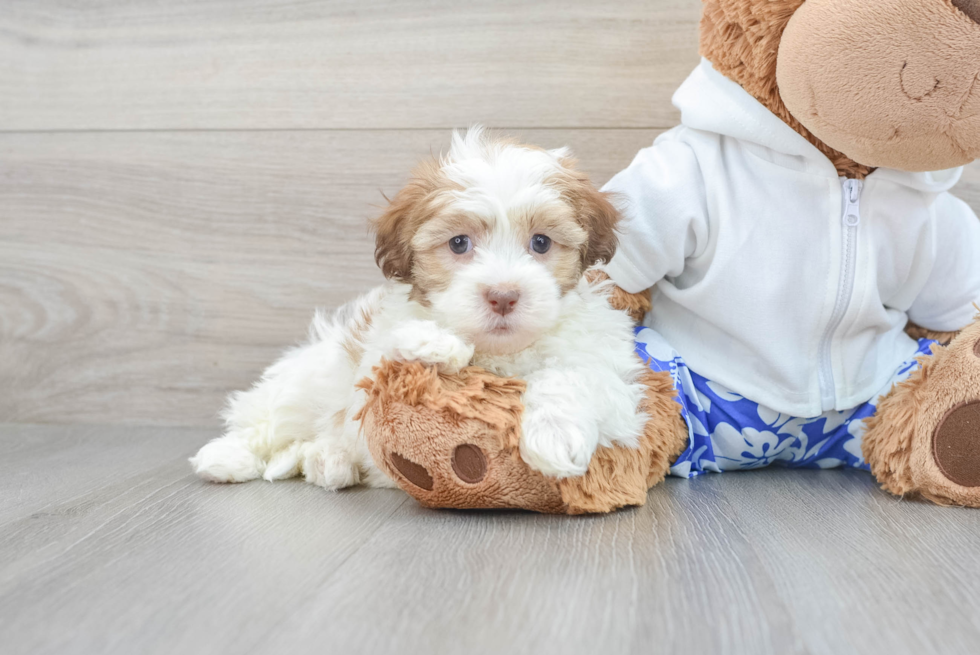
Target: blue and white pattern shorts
(728,432)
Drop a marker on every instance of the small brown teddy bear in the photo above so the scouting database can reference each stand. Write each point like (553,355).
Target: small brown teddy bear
(893,85)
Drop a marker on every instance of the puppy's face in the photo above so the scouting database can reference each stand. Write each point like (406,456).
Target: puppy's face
(493,235)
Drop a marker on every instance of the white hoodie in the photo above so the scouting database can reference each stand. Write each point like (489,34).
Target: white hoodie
(773,276)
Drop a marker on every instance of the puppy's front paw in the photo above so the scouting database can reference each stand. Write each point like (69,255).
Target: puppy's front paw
(227,459)
(329,467)
(556,446)
(426,342)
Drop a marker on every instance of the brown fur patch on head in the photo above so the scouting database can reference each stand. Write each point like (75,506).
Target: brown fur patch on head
(412,207)
(414,230)
(741,40)
(594,212)
(569,239)
(434,263)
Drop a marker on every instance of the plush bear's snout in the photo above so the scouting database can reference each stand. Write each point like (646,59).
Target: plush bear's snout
(897,85)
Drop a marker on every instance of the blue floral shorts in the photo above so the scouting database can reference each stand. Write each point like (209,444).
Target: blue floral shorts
(728,432)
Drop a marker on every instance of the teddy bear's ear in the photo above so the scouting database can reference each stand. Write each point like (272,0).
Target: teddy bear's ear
(405,213)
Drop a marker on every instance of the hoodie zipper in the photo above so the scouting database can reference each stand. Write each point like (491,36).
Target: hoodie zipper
(850,220)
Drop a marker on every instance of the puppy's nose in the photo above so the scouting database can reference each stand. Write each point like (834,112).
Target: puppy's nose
(502,301)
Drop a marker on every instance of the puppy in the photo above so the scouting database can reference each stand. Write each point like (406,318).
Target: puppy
(485,252)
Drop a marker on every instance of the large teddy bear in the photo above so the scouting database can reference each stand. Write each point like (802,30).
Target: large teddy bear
(794,269)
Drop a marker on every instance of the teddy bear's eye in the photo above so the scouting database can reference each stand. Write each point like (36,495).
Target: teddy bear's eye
(460,244)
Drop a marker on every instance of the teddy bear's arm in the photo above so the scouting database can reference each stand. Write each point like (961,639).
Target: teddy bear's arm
(917,332)
(634,304)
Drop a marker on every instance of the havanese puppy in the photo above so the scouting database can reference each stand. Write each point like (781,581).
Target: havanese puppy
(485,251)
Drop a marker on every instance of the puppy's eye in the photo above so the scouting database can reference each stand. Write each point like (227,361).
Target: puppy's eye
(461,244)
(540,244)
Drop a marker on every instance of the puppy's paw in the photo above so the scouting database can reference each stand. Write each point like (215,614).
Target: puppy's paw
(227,459)
(556,446)
(329,467)
(426,342)
(284,464)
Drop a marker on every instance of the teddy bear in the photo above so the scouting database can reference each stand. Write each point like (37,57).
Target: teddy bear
(804,285)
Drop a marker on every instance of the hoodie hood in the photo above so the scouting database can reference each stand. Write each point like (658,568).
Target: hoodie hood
(710,102)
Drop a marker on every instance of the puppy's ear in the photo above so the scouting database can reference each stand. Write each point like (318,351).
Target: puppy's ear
(395,228)
(597,215)
(392,249)
(602,220)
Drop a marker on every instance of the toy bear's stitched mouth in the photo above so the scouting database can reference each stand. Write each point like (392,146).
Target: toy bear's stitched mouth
(817,122)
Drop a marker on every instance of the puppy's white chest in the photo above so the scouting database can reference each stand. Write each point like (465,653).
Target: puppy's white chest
(520,364)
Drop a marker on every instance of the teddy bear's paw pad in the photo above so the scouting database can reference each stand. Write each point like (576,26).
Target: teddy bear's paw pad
(956,444)
(414,473)
(469,463)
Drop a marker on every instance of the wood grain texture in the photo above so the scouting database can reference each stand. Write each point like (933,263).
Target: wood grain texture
(896,579)
(772,561)
(160,562)
(43,467)
(225,64)
(145,275)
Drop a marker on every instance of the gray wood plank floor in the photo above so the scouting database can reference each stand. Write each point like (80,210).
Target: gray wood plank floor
(109,545)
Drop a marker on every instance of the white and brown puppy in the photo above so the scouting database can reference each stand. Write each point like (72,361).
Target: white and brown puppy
(485,251)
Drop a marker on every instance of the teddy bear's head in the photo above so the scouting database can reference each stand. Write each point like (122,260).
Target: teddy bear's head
(888,83)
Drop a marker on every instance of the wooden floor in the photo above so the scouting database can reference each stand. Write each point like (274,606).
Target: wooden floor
(109,545)
(183,181)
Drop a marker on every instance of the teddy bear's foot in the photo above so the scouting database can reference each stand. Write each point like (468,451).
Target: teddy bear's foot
(452,440)
(925,437)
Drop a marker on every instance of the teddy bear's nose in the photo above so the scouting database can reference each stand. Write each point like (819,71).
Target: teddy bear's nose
(969,7)
(469,463)
(414,473)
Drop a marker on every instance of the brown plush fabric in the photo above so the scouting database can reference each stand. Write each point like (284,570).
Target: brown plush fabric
(905,443)
(619,477)
(741,40)
(413,414)
(635,304)
(917,332)
(452,441)
(892,83)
